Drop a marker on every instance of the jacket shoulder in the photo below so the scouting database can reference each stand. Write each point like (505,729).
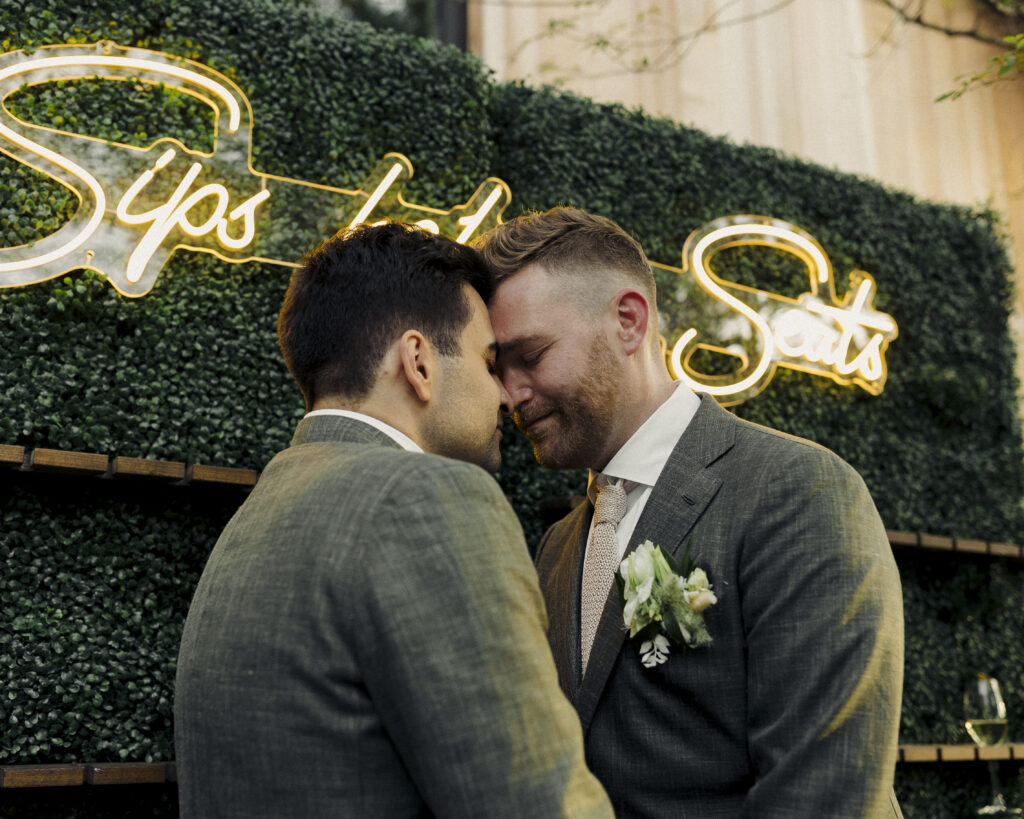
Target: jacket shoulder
(785,452)
(388,468)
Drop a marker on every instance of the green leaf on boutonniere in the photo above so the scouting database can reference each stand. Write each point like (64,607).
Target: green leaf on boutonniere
(671,561)
(648,632)
(687,563)
(672,627)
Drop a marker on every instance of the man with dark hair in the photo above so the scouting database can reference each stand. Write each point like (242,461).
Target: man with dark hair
(367,638)
(770,686)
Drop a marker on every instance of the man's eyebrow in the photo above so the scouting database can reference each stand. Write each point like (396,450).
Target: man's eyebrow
(507,347)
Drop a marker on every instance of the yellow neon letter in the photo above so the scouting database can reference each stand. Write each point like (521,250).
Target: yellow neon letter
(703,275)
(247,210)
(377,195)
(473,222)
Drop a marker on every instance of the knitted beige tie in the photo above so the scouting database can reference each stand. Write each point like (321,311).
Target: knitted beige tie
(600,563)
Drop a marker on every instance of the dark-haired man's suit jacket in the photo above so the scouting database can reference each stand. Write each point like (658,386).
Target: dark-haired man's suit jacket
(367,640)
(793,710)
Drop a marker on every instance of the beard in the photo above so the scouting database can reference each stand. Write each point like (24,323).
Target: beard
(452,439)
(465,425)
(579,423)
(483,451)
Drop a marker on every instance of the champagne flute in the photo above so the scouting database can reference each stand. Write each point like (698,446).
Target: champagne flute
(985,721)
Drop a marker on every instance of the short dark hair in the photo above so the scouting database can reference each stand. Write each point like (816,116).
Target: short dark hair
(566,241)
(357,292)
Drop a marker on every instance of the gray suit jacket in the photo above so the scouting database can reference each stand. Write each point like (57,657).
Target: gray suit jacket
(793,710)
(367,640)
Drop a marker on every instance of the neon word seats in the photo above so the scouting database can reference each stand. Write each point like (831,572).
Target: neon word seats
(844,340)
(137,205)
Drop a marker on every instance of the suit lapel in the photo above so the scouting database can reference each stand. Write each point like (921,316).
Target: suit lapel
(560,569)
(682,493)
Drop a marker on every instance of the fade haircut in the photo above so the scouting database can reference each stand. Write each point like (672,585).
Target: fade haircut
(355,294)
(567,242)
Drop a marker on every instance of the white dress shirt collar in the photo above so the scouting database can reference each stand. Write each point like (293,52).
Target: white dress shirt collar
(395,435)
(642,458)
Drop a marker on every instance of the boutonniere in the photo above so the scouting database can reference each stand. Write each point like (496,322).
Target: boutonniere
(663,600)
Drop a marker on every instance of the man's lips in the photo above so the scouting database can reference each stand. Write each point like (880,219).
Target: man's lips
(529,425)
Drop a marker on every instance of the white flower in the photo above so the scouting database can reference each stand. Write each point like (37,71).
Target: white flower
(697,590)
(644,591)
(629,611)
(700,600)
(654,652)
(638,571)
(698,580)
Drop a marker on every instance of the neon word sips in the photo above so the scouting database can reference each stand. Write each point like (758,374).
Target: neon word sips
(137,205)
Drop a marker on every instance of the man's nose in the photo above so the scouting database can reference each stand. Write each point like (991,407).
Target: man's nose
(506,400)
(517,389)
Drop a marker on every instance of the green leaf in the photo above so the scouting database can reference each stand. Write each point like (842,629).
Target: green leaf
(672,627)
(648,632)
(687,560)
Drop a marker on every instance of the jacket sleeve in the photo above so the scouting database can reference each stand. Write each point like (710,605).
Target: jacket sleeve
(451,634)
(823,619)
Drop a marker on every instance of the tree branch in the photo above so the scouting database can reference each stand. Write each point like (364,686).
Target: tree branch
(671,50)
(916,17)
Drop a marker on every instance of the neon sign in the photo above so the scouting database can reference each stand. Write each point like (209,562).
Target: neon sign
(138,205)
(818,333)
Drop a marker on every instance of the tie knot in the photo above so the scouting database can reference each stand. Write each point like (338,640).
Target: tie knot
(610,504)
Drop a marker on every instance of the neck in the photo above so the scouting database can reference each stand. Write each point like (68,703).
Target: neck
(392,412)
(652,385)
(640,396)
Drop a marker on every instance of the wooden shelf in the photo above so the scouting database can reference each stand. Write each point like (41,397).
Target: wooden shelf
(961,753)
(94,465)
(87,773)
(943,543)
(224,475)
(121,467)
(155,773)
(178,473)
(11,455)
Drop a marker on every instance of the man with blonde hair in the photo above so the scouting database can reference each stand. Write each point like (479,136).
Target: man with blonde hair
(792,708)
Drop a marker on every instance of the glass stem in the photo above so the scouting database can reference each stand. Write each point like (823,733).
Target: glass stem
(997,795)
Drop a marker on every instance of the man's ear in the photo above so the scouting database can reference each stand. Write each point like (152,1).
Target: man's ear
(417,356)
(632,313)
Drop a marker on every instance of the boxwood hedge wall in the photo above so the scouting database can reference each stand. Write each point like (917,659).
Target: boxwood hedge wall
(97,577)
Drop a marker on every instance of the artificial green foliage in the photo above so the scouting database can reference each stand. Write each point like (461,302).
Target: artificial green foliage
(95,590)
(965,615)
(129,112)
(96,584)
(187,373)
(30,204)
